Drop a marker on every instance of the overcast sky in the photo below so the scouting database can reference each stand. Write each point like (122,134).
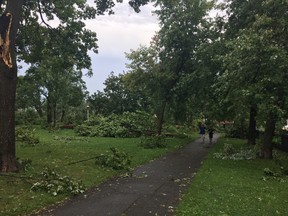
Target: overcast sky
(117,34)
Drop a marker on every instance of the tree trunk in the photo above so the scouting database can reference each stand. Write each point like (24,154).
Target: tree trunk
(252,126)
(267,145)
(160,117)
(54,114)
(7,118)
(49,112)
(9,24)
(62,115)
(39,111)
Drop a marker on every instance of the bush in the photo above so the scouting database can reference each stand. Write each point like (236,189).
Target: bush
(151,142)
(29,116)
(117,160)
(26,135)
(84,130)
(236,132)
(125,125)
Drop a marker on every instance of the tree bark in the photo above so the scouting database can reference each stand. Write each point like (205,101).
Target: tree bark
(9,24)
(62,115)
(49,113)
(54,114)
(267,145)
(252,133)
(160,117)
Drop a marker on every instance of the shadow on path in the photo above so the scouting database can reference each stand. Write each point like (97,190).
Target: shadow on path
(153,188)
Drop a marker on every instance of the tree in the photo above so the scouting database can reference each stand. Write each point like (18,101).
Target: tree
(184,32)
(18,14)
(167,69)
(257,62)
(117,97)
(99,103)
(120,98)
(9,23)
(145,75)
(58,85)
(28,95)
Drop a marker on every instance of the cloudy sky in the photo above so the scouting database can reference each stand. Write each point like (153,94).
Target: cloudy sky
(117,34)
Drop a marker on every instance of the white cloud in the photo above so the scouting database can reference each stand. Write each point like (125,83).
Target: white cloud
(117,34)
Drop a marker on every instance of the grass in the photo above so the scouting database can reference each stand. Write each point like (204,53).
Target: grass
(59,150)
(236,187)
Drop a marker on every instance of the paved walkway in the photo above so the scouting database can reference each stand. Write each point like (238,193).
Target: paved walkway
(154,188)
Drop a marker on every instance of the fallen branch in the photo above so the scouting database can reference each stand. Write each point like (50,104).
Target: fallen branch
(80,161)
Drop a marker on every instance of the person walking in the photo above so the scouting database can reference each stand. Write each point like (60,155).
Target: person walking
(202,132)
(210,133)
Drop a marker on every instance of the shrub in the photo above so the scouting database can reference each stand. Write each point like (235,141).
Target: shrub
(228,149)
(84,130)
(236,132)
(26,135)
(126,125)
(24,117)
(117,160)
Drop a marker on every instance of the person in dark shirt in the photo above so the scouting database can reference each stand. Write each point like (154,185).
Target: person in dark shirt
(210,133)
(202,132)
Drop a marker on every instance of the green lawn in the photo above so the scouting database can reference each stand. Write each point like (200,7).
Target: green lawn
(236,187)
(57,150)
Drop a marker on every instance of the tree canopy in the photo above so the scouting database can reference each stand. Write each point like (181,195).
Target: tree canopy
(232,66)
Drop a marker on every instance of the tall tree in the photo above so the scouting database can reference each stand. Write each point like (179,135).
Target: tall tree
(145,75)
(170,61)
(9,24)
(184,31)
(257,62)
(68,13)
(28,95)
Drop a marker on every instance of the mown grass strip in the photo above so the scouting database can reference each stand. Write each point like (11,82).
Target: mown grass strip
(236,187)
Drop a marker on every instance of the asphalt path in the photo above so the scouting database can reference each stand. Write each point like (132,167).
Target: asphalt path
(152,189)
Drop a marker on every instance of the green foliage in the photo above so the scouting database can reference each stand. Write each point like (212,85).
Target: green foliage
(279,171)
(152,142)
(111,127)
(24,164)
(235,132)
(129,124)
(26,135)
(117,97)
(228,149)
(138,120)
(232,153)
(55,184)
(84,130)
(256,61)
(177,131)
(118,160)
(29,116)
